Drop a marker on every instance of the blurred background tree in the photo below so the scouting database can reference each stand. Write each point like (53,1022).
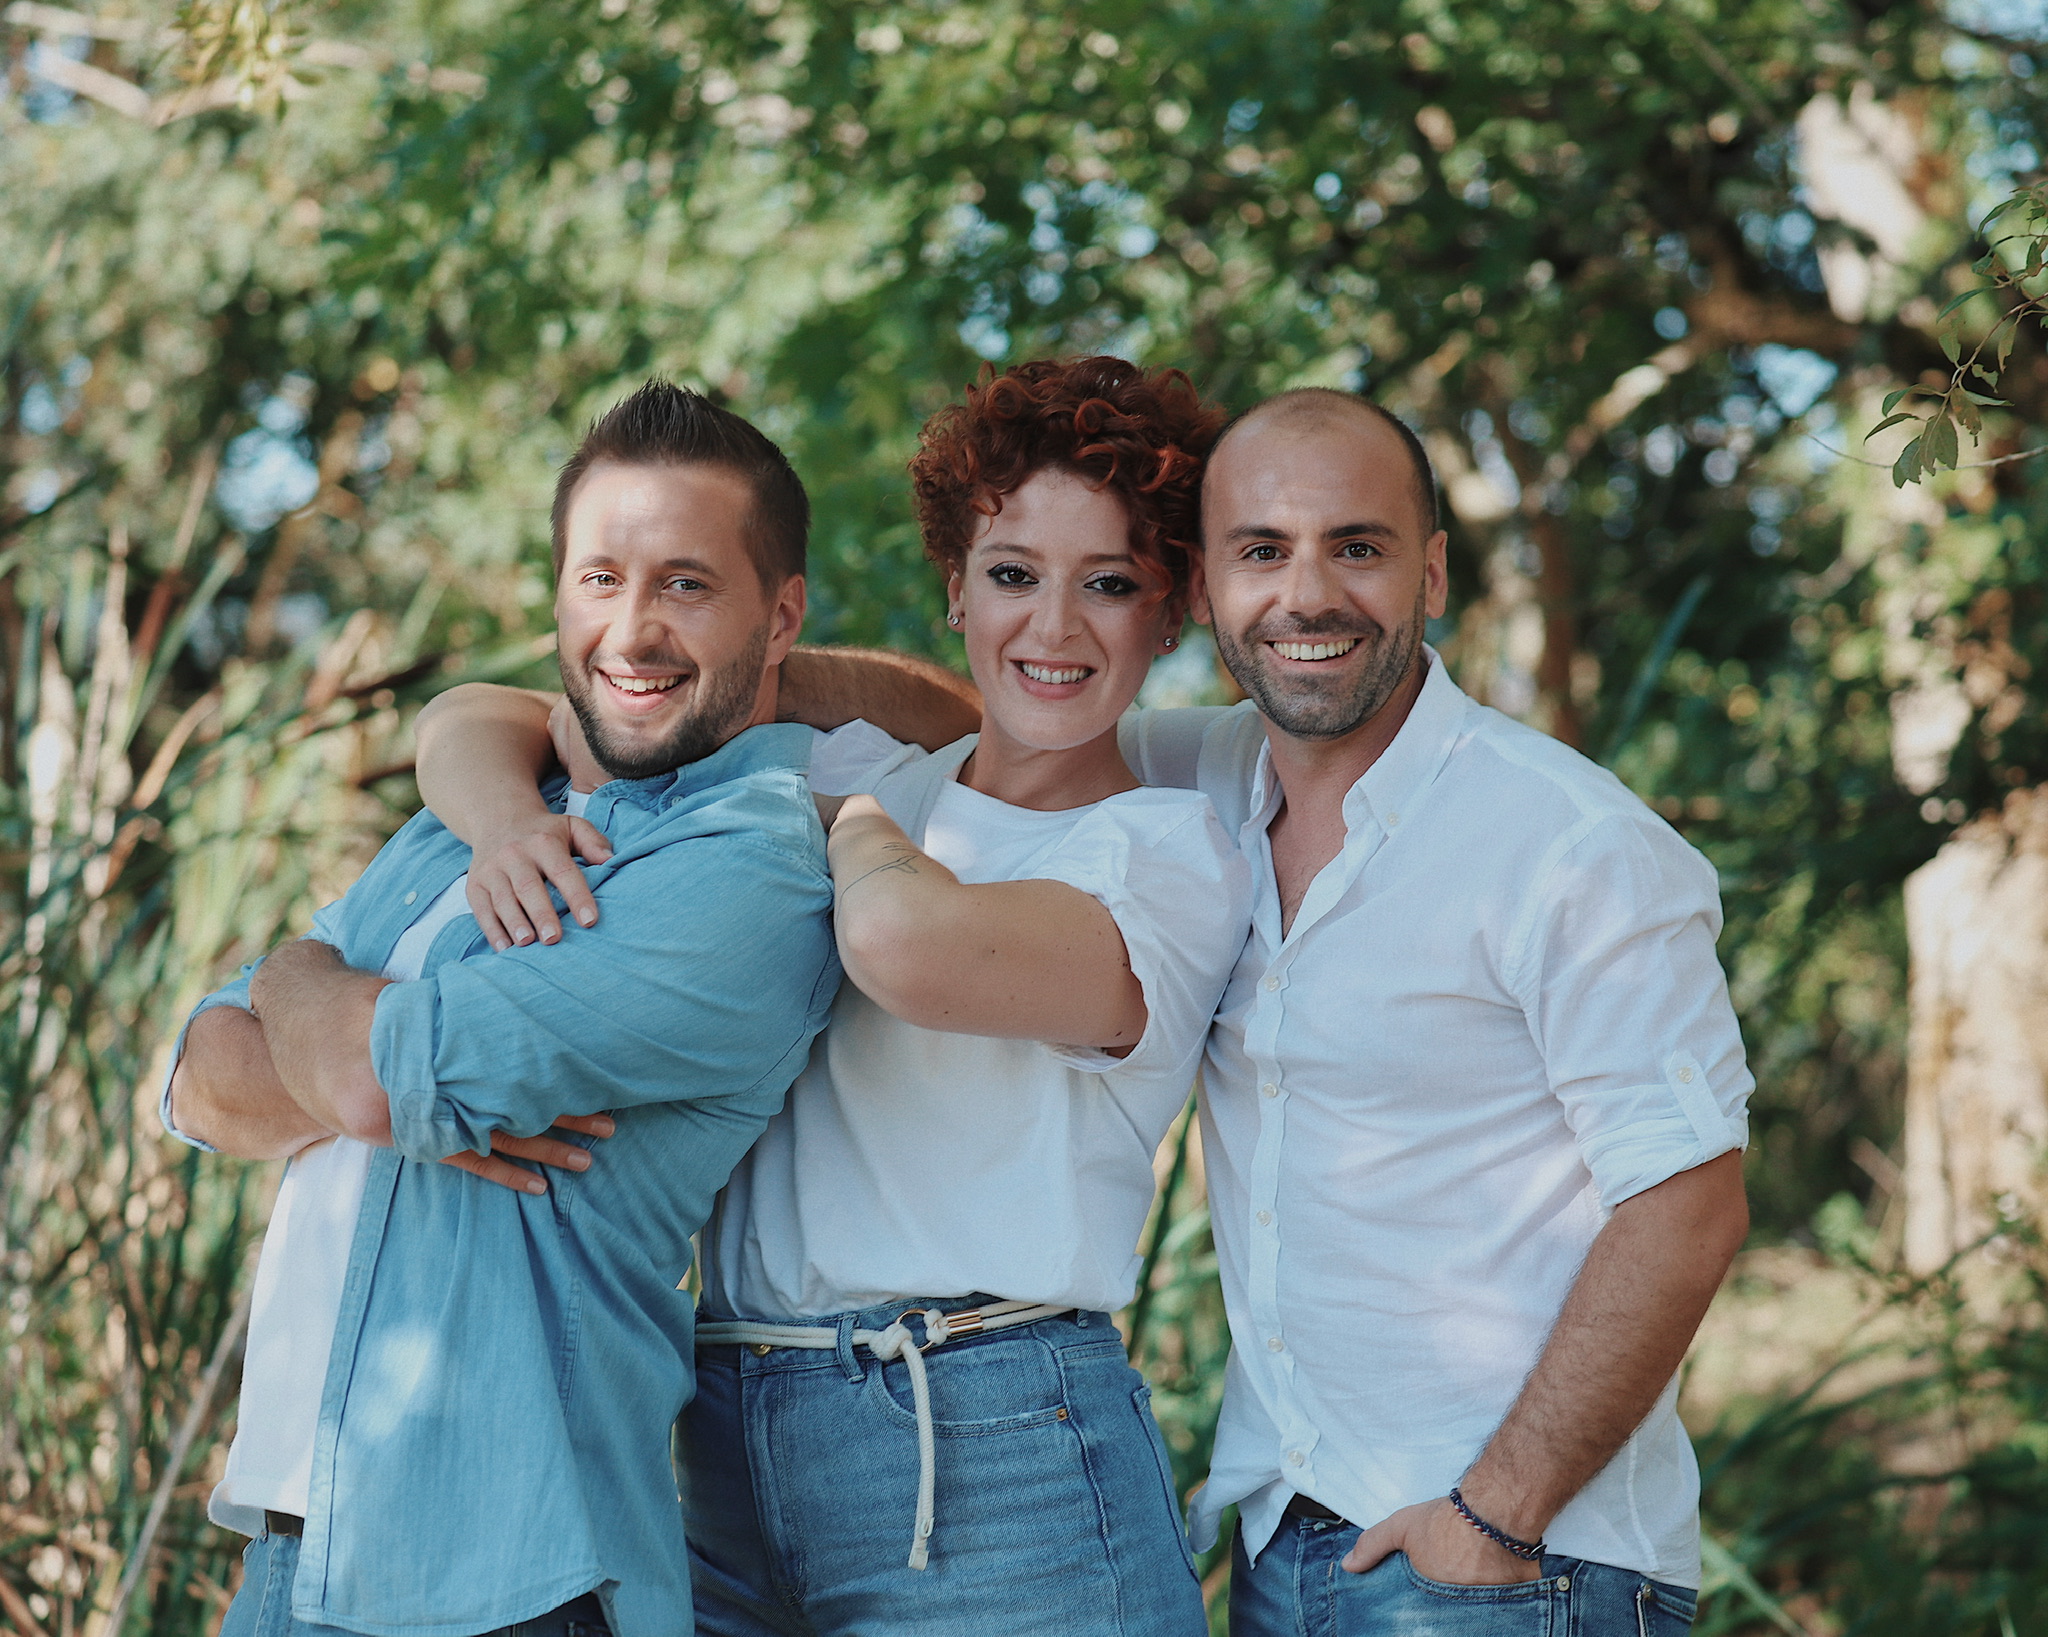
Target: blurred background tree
(301,303)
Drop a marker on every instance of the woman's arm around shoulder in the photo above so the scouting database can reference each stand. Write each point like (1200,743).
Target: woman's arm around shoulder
(1017,960)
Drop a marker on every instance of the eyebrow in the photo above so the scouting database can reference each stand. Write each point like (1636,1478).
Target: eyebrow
(668,565)
(1343,531)
(997,547)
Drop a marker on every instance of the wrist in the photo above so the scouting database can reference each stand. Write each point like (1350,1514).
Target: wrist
(1514,1530)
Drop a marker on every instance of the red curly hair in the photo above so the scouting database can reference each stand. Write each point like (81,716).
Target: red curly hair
(1139,434)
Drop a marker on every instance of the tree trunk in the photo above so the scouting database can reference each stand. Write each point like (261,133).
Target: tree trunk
(1977,1072)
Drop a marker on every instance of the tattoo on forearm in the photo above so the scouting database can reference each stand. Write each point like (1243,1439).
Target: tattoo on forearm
(905,864)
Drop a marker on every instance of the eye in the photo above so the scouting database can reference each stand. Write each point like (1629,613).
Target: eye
(1112,584)
(1013,575)
(1359,550)
(1264,552)
(682,582)
(603,578)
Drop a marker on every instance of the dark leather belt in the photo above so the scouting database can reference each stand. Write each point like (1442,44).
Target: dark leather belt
(283,1523)
(1301,1506)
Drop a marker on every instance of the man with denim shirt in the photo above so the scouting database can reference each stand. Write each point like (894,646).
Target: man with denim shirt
(407,1312)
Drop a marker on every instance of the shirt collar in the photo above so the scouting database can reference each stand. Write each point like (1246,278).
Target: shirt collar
(1404,769)
(763,749)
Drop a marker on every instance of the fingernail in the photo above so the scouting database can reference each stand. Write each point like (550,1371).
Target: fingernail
(500,945)
(587,916)
(550,937)
(607,1128)
(522,937)
(536,1186)
(579,1161)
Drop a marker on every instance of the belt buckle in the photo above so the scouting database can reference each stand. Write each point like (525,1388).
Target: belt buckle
(941,1327)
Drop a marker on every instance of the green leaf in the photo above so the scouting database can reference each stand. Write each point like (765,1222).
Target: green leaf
(1889,420)
(1891,399)
(1966,412)
(1980,398)
(1907,467)
(1951,346)
(1940,443)
(1957,301)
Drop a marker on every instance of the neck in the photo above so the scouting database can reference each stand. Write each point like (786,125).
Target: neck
(1048,780)
(1318,773)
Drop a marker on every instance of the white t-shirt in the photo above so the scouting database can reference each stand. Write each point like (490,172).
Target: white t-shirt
(911,1162)
(297,1299)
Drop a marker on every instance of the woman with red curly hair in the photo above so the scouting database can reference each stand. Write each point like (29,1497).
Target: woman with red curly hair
(914,1411)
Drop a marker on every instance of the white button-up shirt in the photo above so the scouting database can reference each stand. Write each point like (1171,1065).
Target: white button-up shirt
(1496,1015)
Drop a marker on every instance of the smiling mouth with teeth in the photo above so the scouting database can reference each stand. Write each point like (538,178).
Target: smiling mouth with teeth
(1314,650)
(641,684)
(1055,674)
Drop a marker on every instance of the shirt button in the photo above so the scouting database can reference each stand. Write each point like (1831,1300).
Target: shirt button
(1271,984)
(1393,819)
(1265,1219)
(762,1349)
(1269,1090)
(1295,1457)
(412,898)
(1685,1075)
(1275,1345)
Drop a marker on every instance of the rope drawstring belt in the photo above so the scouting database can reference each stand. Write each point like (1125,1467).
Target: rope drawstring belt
(895,1342)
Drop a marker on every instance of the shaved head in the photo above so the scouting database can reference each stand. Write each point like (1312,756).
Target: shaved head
(1326,409)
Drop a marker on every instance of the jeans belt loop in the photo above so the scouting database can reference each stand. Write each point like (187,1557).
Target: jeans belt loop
(843,1349)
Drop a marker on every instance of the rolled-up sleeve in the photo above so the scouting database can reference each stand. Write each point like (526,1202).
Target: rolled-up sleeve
(705,978)
(1629,1007)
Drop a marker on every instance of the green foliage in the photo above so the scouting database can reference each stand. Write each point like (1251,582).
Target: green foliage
(286,359)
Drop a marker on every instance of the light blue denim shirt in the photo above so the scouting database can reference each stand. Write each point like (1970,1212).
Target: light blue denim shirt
(494,1430)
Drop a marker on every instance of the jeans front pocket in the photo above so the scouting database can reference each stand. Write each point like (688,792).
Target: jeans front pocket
(1525,1608)
(1001,1385)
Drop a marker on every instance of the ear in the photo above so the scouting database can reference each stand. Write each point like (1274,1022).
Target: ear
(954,613)
(1198,593)
(786,619)
(1436,575)
(1172,616)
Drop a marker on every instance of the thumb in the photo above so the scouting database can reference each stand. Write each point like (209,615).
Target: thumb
(588,842)
(1373,1546)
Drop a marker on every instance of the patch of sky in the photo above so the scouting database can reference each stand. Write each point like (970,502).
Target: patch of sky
(1673,255)
(1670,323)
(1135,241)
(2009,19)
(40,412)
(1528,423)
(1491,458)
(1662,445)
(268,470)
(1794,377)
(44,101)
(301,617)
(1043,286)
(1243,116)
(984,330)
(40,489)
(1720,467)
(1328,186)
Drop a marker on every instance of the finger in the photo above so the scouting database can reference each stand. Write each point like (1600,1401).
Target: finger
(577,897)
(591,1125)
(504,890)
(486,914)
(563,1156)
(538,907)
(590,843)
(1372,1547)
(503,1172)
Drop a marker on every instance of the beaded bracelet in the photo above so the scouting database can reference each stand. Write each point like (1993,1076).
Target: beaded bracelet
(1527,1551)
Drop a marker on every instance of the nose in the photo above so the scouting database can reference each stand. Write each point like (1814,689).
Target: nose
(637,628)
(1310,589)
(1055,616)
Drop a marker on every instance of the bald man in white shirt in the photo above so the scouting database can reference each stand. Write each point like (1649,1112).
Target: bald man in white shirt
(1474,1098)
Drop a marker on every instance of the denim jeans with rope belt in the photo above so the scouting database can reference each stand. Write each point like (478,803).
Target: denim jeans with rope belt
(1056,1511)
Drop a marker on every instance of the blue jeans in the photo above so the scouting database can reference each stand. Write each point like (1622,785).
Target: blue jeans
(1055,1513)
(1300,1590)
(263,1607)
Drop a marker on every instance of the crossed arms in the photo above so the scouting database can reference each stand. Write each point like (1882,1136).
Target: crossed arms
(294,1069)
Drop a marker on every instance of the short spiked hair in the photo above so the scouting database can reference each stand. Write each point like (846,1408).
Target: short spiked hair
(665,425)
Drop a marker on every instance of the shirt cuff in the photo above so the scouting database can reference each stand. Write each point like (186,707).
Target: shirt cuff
(235,994)
(404,1033)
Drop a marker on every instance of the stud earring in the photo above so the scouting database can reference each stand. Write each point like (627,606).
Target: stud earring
(1172,643)
(953,620)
